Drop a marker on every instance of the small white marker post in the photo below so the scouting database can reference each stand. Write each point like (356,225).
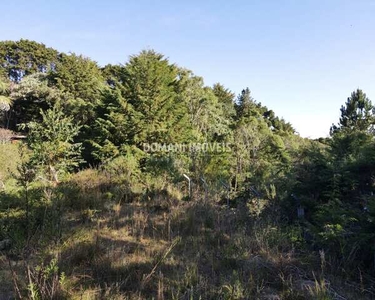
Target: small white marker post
(189,180)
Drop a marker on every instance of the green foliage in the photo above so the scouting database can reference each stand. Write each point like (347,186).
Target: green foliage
(80,79)
(245,105)
(336,182)
(81,83)
(150,83)
(357,114)
(24,57)
(46,282)
(5,103)
(207,120)
(262,159)
(125,171)
(54,151)
(113,128)
(31,95)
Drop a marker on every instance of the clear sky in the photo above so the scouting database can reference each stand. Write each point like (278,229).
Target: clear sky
(300,58)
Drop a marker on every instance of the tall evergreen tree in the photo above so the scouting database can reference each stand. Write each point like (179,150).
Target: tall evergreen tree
(54,151)
(114,127)
(80,79)
(24,57)
(357,114)
(245,104)
(151,83)
(226,100)
(81,82)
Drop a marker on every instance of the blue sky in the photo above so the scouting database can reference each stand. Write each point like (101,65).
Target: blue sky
(300,58)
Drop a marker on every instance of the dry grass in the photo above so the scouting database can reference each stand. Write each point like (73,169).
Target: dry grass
(5,136)
(9,157)
(185,250)
(195,250)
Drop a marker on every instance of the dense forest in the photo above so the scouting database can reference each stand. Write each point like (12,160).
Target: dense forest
(138,181)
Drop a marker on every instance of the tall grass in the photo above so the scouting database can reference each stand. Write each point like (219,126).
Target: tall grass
(119,242)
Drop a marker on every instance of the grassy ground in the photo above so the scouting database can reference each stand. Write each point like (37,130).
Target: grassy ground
(94,238)
(187,251)
(9,156)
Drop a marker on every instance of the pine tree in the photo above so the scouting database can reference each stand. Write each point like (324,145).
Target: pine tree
(54,151)
(24,57)
(357,114)
(80,79)
(150,84)
(245,104)
(82,85)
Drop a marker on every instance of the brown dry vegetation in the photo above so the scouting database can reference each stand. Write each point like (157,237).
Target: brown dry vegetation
(186,250)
